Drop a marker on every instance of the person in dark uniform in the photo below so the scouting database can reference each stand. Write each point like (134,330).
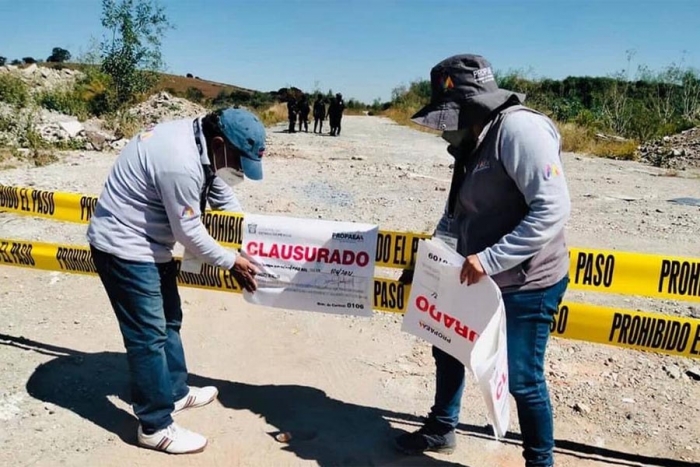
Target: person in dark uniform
(319,114)
(335,114)
(304,110)
(291,113)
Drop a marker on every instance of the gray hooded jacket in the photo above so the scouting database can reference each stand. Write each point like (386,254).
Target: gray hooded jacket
(513,203)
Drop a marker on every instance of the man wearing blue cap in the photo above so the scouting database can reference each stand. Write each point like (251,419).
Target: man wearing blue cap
(154,196)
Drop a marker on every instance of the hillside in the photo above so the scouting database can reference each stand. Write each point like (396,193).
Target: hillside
(175,84)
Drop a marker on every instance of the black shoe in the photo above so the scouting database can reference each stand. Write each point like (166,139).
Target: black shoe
(430,437)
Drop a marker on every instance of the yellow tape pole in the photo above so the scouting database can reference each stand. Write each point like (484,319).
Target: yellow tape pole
(621,328)
(605,271)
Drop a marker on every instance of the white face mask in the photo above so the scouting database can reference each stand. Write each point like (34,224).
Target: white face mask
(229,175)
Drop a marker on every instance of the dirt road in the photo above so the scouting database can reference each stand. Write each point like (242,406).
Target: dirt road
(343,387)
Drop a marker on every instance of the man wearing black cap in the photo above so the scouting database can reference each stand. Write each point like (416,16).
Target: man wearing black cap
(506,212)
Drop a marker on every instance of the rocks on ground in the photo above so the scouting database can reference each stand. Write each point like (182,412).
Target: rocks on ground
(680,152)
(40,79)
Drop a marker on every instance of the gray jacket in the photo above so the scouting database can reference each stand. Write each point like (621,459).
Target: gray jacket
(514,202)
(152,196)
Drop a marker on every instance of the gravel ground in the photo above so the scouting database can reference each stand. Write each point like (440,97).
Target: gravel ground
(342,386)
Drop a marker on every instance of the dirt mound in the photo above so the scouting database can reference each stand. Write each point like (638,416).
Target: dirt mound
(162,107)
(681,151)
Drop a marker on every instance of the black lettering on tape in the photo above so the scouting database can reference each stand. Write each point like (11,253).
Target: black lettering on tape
(42,202)
(389,295)
(695,347)
(559,320)
(3,253)
(75,259)
(384,241)
(595,269)
(9,197)
(88,204)
(397,251)
(617,322)
(226,229)
(24,200)
(680,278)
(22,254)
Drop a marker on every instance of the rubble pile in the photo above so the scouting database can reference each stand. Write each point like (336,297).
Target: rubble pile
(40,79)
(162,107)
(679,152)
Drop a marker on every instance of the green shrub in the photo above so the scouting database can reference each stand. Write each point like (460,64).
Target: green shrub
(13,90)
(66,102)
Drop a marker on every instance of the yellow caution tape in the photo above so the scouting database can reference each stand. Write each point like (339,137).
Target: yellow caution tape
(621,328)
(668,277)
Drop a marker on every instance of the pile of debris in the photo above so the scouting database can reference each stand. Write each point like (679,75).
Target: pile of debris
(53,127)
(679,152)
(162,107)
(40,79)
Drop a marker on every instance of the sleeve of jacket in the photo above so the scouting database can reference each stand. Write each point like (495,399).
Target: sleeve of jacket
(180,195)
(530,153)
(222,197)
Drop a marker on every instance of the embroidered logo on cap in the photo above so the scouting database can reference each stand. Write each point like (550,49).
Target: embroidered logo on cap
(447,84)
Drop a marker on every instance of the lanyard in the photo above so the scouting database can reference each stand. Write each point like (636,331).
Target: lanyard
(208,172)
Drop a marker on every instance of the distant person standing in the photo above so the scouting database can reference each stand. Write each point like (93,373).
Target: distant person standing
(319,114)
(335,114)
(304,110)
(291,114)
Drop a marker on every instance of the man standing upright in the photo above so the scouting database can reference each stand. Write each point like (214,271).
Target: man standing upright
(304,110)
(153,197)
(319,114)
(291,114)
(335,114)
(507,209)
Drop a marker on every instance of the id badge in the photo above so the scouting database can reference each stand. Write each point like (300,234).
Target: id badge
(448,238)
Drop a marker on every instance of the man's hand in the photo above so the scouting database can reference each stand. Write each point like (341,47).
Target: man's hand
(472,270)
(244,272)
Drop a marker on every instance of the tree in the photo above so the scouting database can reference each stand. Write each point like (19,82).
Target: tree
(16,62)
(59,55)
(28,60)
(132,53)
(3,60)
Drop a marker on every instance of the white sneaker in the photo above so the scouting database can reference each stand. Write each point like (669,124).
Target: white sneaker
(174,440)
(197,397)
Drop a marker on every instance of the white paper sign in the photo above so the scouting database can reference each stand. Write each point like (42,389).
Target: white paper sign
(467,322)
(310,264)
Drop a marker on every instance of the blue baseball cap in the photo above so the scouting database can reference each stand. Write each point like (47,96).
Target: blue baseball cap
(245,132)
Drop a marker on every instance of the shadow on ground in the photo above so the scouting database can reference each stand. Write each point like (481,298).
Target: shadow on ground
(325,430)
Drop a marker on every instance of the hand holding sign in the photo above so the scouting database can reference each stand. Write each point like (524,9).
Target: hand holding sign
(244,272)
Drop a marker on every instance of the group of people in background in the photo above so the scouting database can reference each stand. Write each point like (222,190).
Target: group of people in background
(299,109)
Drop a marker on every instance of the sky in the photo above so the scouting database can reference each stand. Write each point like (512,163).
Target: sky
(365,49)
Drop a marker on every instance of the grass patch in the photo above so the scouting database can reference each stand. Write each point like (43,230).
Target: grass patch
(402,116)
(123,124)
(65,102)
(273,115)
(576,138)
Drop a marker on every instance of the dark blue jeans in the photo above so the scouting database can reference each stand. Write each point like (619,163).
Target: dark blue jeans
(528,318)
(146,301)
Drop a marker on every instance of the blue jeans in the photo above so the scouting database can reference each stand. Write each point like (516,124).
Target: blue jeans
(528,318)
(146,301)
